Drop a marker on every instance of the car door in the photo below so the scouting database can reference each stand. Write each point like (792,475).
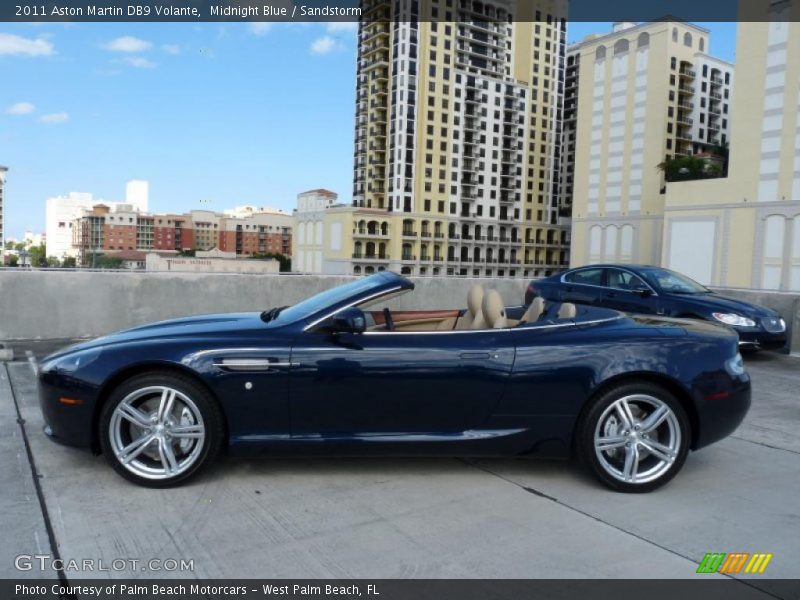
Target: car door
(582,286)
(622,292)
(386,382)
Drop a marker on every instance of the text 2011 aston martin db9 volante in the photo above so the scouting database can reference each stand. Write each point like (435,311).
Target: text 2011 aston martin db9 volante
(334,375)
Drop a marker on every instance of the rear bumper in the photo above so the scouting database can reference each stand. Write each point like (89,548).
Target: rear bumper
(719,415)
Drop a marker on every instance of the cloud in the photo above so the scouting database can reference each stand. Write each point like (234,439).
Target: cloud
(128,43)
(259,27)
(323,45)
(15,44)
(20,108)
(53,118)
(171,48)
(342,27)
(139,62)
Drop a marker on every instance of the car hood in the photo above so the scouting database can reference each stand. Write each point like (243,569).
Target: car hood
(707,303)
(217,324)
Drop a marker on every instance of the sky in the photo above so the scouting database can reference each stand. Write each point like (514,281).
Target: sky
(213,115)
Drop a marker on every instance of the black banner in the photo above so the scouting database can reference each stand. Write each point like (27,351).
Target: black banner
(718,588)
(353,10)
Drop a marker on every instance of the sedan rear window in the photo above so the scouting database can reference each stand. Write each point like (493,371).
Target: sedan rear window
(585,276)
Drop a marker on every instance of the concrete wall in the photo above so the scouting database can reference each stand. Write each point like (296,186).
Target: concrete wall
(70,304)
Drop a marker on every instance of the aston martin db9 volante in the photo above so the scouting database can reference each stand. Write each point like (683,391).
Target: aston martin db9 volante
(654,290)
(341,373)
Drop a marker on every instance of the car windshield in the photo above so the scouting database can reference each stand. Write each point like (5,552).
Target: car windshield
(672,282)
(323,300)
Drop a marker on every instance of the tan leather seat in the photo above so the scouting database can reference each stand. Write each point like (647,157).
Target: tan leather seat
(473,317)
(494,310)
(534,311)
(567,311)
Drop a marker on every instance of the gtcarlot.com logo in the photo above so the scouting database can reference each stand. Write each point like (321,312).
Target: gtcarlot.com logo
(734,563)
(45,562)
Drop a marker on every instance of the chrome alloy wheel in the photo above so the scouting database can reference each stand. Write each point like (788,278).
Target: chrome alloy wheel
(157,432)
(637,438)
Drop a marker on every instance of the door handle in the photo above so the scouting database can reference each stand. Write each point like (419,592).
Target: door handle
(475,355)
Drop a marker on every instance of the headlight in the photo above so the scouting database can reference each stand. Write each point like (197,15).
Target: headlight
(734,320)
(735,365)
(72,362)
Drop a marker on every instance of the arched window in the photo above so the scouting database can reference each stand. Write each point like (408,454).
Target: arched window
(644,40)
(674,34)
(621,47)
(601,53)
(702,44)
(687,39)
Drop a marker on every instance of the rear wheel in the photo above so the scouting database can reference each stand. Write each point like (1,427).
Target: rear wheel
(635,437)
(159,429)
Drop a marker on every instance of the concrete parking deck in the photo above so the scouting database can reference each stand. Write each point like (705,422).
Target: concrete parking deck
(398,518)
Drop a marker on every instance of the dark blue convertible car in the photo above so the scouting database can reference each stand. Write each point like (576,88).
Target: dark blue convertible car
(654,290)
(342,373)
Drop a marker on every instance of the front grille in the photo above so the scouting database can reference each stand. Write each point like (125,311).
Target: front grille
(773,324)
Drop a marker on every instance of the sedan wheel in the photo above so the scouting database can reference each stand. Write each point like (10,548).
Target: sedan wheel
(159,429)
(634,438)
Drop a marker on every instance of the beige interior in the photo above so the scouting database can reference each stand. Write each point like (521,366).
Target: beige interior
(535,310)
(567,311)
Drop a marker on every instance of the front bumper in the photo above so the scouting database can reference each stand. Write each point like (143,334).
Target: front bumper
(762,340)
(68,424)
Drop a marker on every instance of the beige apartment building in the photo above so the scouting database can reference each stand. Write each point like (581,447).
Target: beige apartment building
(636,96)
(458,124)
(744,230)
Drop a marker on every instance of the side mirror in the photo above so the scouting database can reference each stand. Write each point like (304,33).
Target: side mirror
(643,292)
(349,320)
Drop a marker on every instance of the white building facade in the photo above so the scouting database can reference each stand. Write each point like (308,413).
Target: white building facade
(62,211)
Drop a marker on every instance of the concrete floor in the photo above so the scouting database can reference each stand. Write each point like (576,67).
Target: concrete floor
(414,518)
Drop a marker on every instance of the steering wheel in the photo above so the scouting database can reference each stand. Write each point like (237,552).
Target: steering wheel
(387,316)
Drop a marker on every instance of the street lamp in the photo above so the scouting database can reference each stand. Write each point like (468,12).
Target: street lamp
(23,255)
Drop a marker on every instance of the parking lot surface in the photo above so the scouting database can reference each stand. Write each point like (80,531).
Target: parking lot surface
(417,518)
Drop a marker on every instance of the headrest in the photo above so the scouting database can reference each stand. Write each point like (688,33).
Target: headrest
(567,311)
(534,311)
(474,299)
(494,310)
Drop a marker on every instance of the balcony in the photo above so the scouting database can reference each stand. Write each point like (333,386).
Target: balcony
(688,73)
(376,257)
(364,233)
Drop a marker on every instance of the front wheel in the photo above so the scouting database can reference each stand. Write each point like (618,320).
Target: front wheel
(634,438)
(159,429)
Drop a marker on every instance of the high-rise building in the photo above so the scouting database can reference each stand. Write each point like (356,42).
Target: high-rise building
(744,230)
(457,145)
(3,171)
(645,93)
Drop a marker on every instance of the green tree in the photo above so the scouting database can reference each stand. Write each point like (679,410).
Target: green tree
(108,262)
(285,261)
(187,252)
(13,261)
(37,256)
(69,262)
(53,262)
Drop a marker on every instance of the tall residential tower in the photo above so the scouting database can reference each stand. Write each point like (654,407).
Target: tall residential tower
(3,171)
(458,127)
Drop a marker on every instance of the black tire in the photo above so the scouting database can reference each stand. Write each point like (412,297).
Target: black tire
(203,452)
(589,424)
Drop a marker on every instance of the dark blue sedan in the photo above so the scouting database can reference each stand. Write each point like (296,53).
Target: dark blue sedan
(344,373)
(644,289)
